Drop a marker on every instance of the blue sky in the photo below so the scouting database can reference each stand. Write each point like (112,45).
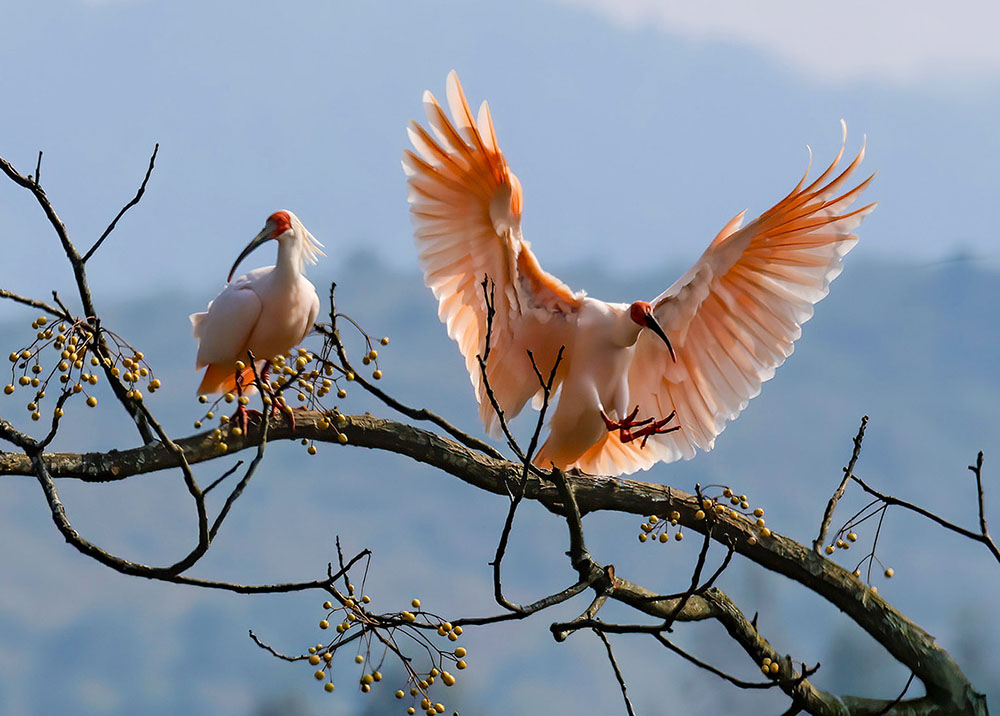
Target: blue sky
(637,128)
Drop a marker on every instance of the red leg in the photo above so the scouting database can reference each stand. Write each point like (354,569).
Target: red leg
(647,427)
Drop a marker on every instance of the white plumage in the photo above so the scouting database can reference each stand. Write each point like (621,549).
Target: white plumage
(267,311)
(700,350)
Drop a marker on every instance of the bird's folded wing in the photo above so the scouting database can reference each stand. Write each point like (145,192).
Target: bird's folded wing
(734,316)
(465,204)
(225,329)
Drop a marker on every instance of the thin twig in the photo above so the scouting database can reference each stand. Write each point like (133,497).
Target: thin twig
(618,672)
(333,333)
(898,699)
(133,202)
(848,473)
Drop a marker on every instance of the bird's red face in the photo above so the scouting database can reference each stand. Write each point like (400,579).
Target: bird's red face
(642,313)
(277,224)
(280,222)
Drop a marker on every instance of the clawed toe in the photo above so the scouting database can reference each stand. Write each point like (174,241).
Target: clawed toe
(646,428)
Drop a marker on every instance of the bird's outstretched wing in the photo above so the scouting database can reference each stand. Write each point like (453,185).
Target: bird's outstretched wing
(465,204)
(733,318)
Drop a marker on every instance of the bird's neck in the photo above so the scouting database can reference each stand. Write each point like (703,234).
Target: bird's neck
(289,263)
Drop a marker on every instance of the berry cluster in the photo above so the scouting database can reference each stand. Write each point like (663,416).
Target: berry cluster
(77,349)
(309,377)
(657,529)
(353,622)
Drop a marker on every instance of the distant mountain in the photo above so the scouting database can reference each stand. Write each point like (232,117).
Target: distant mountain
(912,346)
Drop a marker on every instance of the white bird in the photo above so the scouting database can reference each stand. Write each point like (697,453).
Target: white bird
(267,311)
(641,383)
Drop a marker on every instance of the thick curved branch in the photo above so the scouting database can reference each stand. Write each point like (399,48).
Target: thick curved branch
(906,641)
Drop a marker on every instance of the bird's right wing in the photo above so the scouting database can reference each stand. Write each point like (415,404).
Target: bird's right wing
(734,317)
(465,204)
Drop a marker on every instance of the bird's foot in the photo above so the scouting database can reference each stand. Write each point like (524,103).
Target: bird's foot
(241,418)
(280,408)
(630,429)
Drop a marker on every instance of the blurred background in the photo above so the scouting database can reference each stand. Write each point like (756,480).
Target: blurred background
(637,128)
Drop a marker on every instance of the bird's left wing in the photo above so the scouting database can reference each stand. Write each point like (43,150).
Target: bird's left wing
(733,318)
(465,204)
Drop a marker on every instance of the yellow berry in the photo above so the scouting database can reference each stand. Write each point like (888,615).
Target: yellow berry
(342,438)
(92,401)
(766,532)
(197,424)
(349,376)
(367,679)
(457,630)
(679,536)
(328,605)
(830,549)
(699,515)
(461,664)
(359,659)
(415,603)
(385,341)
(642,536)
(448,679)
(24,380)
(8,389)
(411,711)
(314,659)
(202,398)
(889,572)
(759,512)
(328,687)
(377,675)
(377,375)
(852,537)
(774,667)
(319,675)
(311,449)
(452,636)
(223,447)
(664,537)
(341,393)
(324,624)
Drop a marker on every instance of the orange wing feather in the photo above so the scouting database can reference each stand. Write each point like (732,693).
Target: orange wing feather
(734,317)
(465,205)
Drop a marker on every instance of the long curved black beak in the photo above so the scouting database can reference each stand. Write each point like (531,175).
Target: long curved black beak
(654,326)
(259,239)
